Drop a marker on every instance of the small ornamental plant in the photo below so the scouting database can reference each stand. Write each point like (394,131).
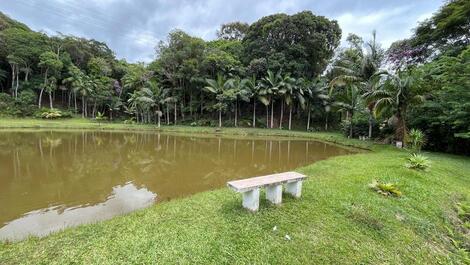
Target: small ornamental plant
(417,162)
(386,189)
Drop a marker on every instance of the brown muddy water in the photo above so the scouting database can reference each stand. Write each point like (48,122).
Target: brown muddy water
(50,180)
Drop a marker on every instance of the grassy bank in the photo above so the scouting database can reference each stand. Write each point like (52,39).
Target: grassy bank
(338,220)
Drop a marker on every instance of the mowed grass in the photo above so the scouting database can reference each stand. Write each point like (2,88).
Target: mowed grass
(338,220)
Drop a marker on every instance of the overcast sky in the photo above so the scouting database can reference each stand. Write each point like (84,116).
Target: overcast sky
(132,28)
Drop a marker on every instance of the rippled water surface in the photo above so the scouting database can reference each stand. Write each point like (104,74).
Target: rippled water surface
(53,179)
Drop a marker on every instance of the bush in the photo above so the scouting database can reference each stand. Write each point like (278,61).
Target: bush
(386,189)
(26,103)
(417,161)
(416,140)
(51,114)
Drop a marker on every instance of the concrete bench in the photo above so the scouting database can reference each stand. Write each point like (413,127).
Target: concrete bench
(273,183)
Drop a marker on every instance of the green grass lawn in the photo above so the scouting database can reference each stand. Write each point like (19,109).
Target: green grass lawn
(338,219)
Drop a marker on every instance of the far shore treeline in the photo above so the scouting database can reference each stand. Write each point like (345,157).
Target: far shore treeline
(282,71)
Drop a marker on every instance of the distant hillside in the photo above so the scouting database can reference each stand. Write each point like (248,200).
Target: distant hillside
(7,22)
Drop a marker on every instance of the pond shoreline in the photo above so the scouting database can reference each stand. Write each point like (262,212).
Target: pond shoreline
(337,220)
(85,124)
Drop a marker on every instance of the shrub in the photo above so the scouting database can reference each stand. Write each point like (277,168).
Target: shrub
(417,161)
(51,114)
(100,117)
(385,188)
(416,140)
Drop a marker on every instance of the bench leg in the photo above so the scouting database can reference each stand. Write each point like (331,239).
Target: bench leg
(274,194)
(251,200)
(294,188)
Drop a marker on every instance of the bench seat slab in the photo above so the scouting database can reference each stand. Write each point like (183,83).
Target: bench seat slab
(243,185)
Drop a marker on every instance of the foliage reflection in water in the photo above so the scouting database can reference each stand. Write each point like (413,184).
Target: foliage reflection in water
(53,179)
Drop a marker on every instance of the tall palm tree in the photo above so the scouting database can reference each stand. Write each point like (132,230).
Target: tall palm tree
(85,89)
(240,90)
(292,91)
(270,87)
(254,93)
(219,88)
(362,69)
(394,97)
(350,101)
(316,94)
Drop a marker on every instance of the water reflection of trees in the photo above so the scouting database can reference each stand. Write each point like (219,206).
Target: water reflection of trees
(42,169)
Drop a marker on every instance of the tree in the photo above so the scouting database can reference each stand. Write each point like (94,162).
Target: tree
(254,88)
(350,101)
(233,31)
(50,63)
(240,91)
(221,88)
(360,65)
(75,80)
(445,115)
(394,97)
(294,93)
(300,44)
(316,94)
(270,87)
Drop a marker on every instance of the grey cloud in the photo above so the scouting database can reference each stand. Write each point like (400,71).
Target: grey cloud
(133,28)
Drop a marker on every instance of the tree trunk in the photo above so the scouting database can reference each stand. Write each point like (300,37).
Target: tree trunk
(326,122)
(12,79)
(17,82)
(176,113)
(83,107)
(220,118)
(42,89)
(290,116)
(267,116)
(40,97)
(370,126)
(75,101)
(167,114)
(351,125)
(272,115)
(308,119)
(50,100)
(282,114)
(236,112)
(401,130)
(254,113)
(158,118)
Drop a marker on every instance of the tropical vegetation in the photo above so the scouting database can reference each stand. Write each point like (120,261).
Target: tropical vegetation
(282,71)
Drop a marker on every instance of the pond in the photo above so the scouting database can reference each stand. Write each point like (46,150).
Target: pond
(54,179)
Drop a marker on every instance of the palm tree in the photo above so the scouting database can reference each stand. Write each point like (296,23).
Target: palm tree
(239,87)
(254,93)
(292,90)
(395,96)
(350,101)
(85,89)
(271,84)
(316,94)
(74,81)
(362,67)
(219,88)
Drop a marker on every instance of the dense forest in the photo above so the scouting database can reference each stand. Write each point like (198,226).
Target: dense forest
(282,71)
